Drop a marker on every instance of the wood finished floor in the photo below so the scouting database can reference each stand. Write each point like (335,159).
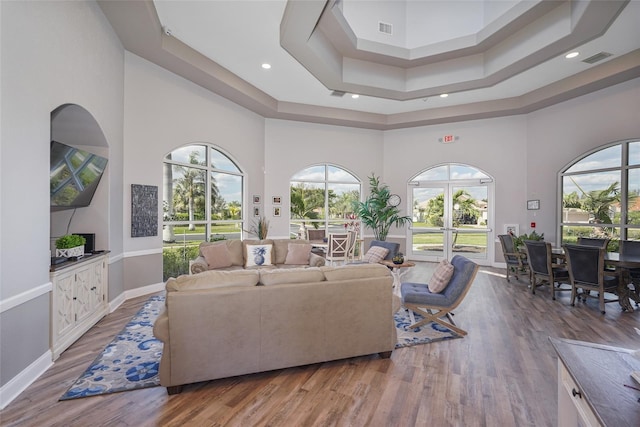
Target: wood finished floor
(502,374)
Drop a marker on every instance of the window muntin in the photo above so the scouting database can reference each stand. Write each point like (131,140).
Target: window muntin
(451,172)
(599,194)
(602,159)
(321,196)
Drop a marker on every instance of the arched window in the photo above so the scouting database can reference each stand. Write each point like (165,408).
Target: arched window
(322,197)
(202,201)
(600,194)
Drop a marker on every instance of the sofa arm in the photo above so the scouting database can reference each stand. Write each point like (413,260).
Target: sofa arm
(316,260)
(198,265)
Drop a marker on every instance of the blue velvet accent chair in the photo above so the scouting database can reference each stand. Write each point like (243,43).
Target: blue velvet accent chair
(435,307)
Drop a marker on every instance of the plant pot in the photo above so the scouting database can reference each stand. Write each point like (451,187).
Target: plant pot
(78,252)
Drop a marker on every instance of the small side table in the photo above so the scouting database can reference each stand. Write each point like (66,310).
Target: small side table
(396,271)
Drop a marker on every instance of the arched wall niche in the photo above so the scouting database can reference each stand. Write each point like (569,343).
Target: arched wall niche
(73,125)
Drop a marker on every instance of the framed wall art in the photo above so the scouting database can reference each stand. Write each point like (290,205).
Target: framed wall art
(144,210)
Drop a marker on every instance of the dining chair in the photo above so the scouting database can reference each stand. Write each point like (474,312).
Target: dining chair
(315,235)
(353,240)
(631,247)
(543,268)
(516,261)
(594,241)
(337,248)
(587,271)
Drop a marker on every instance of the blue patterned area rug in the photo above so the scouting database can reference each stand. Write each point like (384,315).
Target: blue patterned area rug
(132,359)
(431,332)
(129,362)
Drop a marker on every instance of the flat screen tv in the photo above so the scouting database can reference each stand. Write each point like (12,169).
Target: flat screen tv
(74,176)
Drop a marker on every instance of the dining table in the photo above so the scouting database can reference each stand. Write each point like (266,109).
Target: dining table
(622,264)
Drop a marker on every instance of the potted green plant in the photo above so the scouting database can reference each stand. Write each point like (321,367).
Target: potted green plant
(377,213)
(70,245)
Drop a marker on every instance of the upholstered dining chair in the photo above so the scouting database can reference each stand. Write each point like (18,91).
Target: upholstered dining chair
(516,261)
(543,270)
(594,241)
(631,247)
(435,307)
(337,248)
(315,235)
(587,271)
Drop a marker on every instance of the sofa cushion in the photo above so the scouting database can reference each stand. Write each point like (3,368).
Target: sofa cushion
(375,254)
(217,256)
(298,253)
(441,277)
(213,279)
(291,275)
(233,245)
(355,271)
(280,250)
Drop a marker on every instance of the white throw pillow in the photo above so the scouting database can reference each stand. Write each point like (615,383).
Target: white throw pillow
(258,255)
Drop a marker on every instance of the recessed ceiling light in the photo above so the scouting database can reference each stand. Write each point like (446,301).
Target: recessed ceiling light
(444,95)
(266,66)
(355,96)
(572,55)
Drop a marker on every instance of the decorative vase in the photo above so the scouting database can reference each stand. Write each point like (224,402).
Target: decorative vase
(78,252)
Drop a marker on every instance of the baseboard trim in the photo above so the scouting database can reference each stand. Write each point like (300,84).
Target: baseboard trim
(24,379)
(31,373)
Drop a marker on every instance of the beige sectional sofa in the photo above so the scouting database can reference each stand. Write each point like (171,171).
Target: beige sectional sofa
(220,324)
(232,254)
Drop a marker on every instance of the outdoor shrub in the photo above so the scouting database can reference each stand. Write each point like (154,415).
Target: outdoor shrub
(175,261)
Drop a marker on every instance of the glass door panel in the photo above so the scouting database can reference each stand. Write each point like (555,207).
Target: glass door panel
(428,238)
(470,233)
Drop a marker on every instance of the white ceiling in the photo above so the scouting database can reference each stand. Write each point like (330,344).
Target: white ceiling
(492,57)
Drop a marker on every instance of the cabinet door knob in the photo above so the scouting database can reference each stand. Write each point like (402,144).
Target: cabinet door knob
(576,393)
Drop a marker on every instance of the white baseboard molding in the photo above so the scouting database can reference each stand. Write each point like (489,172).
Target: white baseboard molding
(24,379)
(134,293)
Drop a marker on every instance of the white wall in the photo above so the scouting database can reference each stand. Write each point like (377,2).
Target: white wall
(163,112)
(293,146)
(53,53)
(558,135)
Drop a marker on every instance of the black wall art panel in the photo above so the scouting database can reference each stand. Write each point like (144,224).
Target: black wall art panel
(144,210)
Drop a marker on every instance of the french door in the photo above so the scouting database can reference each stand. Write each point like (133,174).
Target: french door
(451,218)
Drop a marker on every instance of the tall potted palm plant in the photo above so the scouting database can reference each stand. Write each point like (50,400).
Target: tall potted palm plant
(376,212)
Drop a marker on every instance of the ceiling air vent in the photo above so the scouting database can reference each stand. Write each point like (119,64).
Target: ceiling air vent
(597,57)
(385,28)
(338,93)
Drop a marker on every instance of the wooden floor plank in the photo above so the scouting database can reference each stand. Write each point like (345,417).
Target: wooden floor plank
(503,373)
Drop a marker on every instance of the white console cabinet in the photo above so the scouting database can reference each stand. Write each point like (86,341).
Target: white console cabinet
(78,299)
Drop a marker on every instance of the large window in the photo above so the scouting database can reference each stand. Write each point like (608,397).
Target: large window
(599,195)
(202,201)
(322,197)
